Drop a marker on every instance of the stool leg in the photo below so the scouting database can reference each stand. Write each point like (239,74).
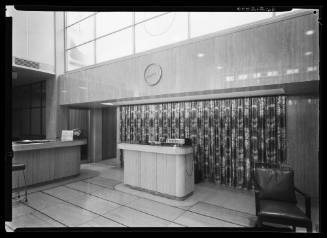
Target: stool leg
(309,228)
(18,185)
(25,187)
(294,228)
(259,222)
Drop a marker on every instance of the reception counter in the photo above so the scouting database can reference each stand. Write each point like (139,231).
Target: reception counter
(47,161)
(163,170)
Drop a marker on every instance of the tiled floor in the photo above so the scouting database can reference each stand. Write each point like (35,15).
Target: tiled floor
(91,200)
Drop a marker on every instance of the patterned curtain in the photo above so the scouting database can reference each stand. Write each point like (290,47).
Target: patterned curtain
(228,136)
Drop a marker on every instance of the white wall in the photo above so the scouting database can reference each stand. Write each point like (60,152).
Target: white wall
(33,35)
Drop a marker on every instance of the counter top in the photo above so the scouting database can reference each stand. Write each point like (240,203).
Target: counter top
(47,145)
(174,150)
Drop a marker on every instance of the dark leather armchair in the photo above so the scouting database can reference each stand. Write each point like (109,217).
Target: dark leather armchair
(275,199)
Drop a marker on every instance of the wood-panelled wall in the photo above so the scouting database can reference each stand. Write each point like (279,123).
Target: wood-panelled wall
(79,118)
(109,134)
(269,53)
(302,123)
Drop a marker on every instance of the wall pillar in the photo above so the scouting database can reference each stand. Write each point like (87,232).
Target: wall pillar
(95,135)
(56,115)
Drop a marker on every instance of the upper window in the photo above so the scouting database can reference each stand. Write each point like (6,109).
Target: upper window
(97,37)
(204,23)
(80,56)
(73,17)
(114,46)
(142,16)
(163,30)
(108,22)
(80,32)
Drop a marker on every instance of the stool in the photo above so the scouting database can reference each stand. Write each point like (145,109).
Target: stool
(20,167)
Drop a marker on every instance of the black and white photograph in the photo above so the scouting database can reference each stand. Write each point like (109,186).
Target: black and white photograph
(162,119)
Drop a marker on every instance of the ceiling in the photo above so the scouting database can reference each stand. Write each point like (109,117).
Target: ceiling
(22,76)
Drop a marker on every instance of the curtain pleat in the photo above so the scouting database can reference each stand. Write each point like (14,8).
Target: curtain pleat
(228,136)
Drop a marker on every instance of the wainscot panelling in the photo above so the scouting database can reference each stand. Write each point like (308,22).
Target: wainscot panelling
(79,118)
(303,142)
(270,53)
(46,165)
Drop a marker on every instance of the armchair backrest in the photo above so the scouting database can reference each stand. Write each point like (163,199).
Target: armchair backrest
(275,184)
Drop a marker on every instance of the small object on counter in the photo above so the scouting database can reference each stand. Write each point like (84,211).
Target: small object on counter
(67,135)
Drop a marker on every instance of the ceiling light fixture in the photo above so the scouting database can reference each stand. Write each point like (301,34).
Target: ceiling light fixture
(200,55)
(309,32)
(107,103)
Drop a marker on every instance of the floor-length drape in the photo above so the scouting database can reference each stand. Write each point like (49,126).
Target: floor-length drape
(228,135)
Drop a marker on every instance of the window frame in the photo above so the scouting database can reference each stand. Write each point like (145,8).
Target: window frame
(133,26)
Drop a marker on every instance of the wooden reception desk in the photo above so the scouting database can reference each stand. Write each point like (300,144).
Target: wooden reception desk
(163,170)
(47,161)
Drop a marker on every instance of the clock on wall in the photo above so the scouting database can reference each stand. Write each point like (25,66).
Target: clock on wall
(152,74)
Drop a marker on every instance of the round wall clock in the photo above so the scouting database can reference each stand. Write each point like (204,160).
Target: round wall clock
(152,74)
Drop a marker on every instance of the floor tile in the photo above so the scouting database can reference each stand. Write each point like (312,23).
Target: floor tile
(84,200)
(212,204)
(34,219)
(101,222)
(20,210)
(133,218)
(185,204)
(94,204)
(172,224)
(113,173)
(112,162)
(105,182)
(40,200)
(84,174)
(234,200)
(65,193)
(191,219)
(228,215)
(84,187)
(68,214)
(156,209)
(115,196)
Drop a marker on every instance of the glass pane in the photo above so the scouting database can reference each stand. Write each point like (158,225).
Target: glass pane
(25,122)
(16,116)
(115,45)
(208,22)
(73,17)
(164,30)
(43,121)
(43,93)
(141,16)
(16,98)
(108,22)
(80,56)
(80,32)
(25,96)
(36,95)
(35,121)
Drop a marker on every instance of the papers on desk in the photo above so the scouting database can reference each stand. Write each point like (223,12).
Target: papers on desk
(67,135)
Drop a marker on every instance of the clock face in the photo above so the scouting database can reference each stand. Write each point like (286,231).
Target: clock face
(152,74)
